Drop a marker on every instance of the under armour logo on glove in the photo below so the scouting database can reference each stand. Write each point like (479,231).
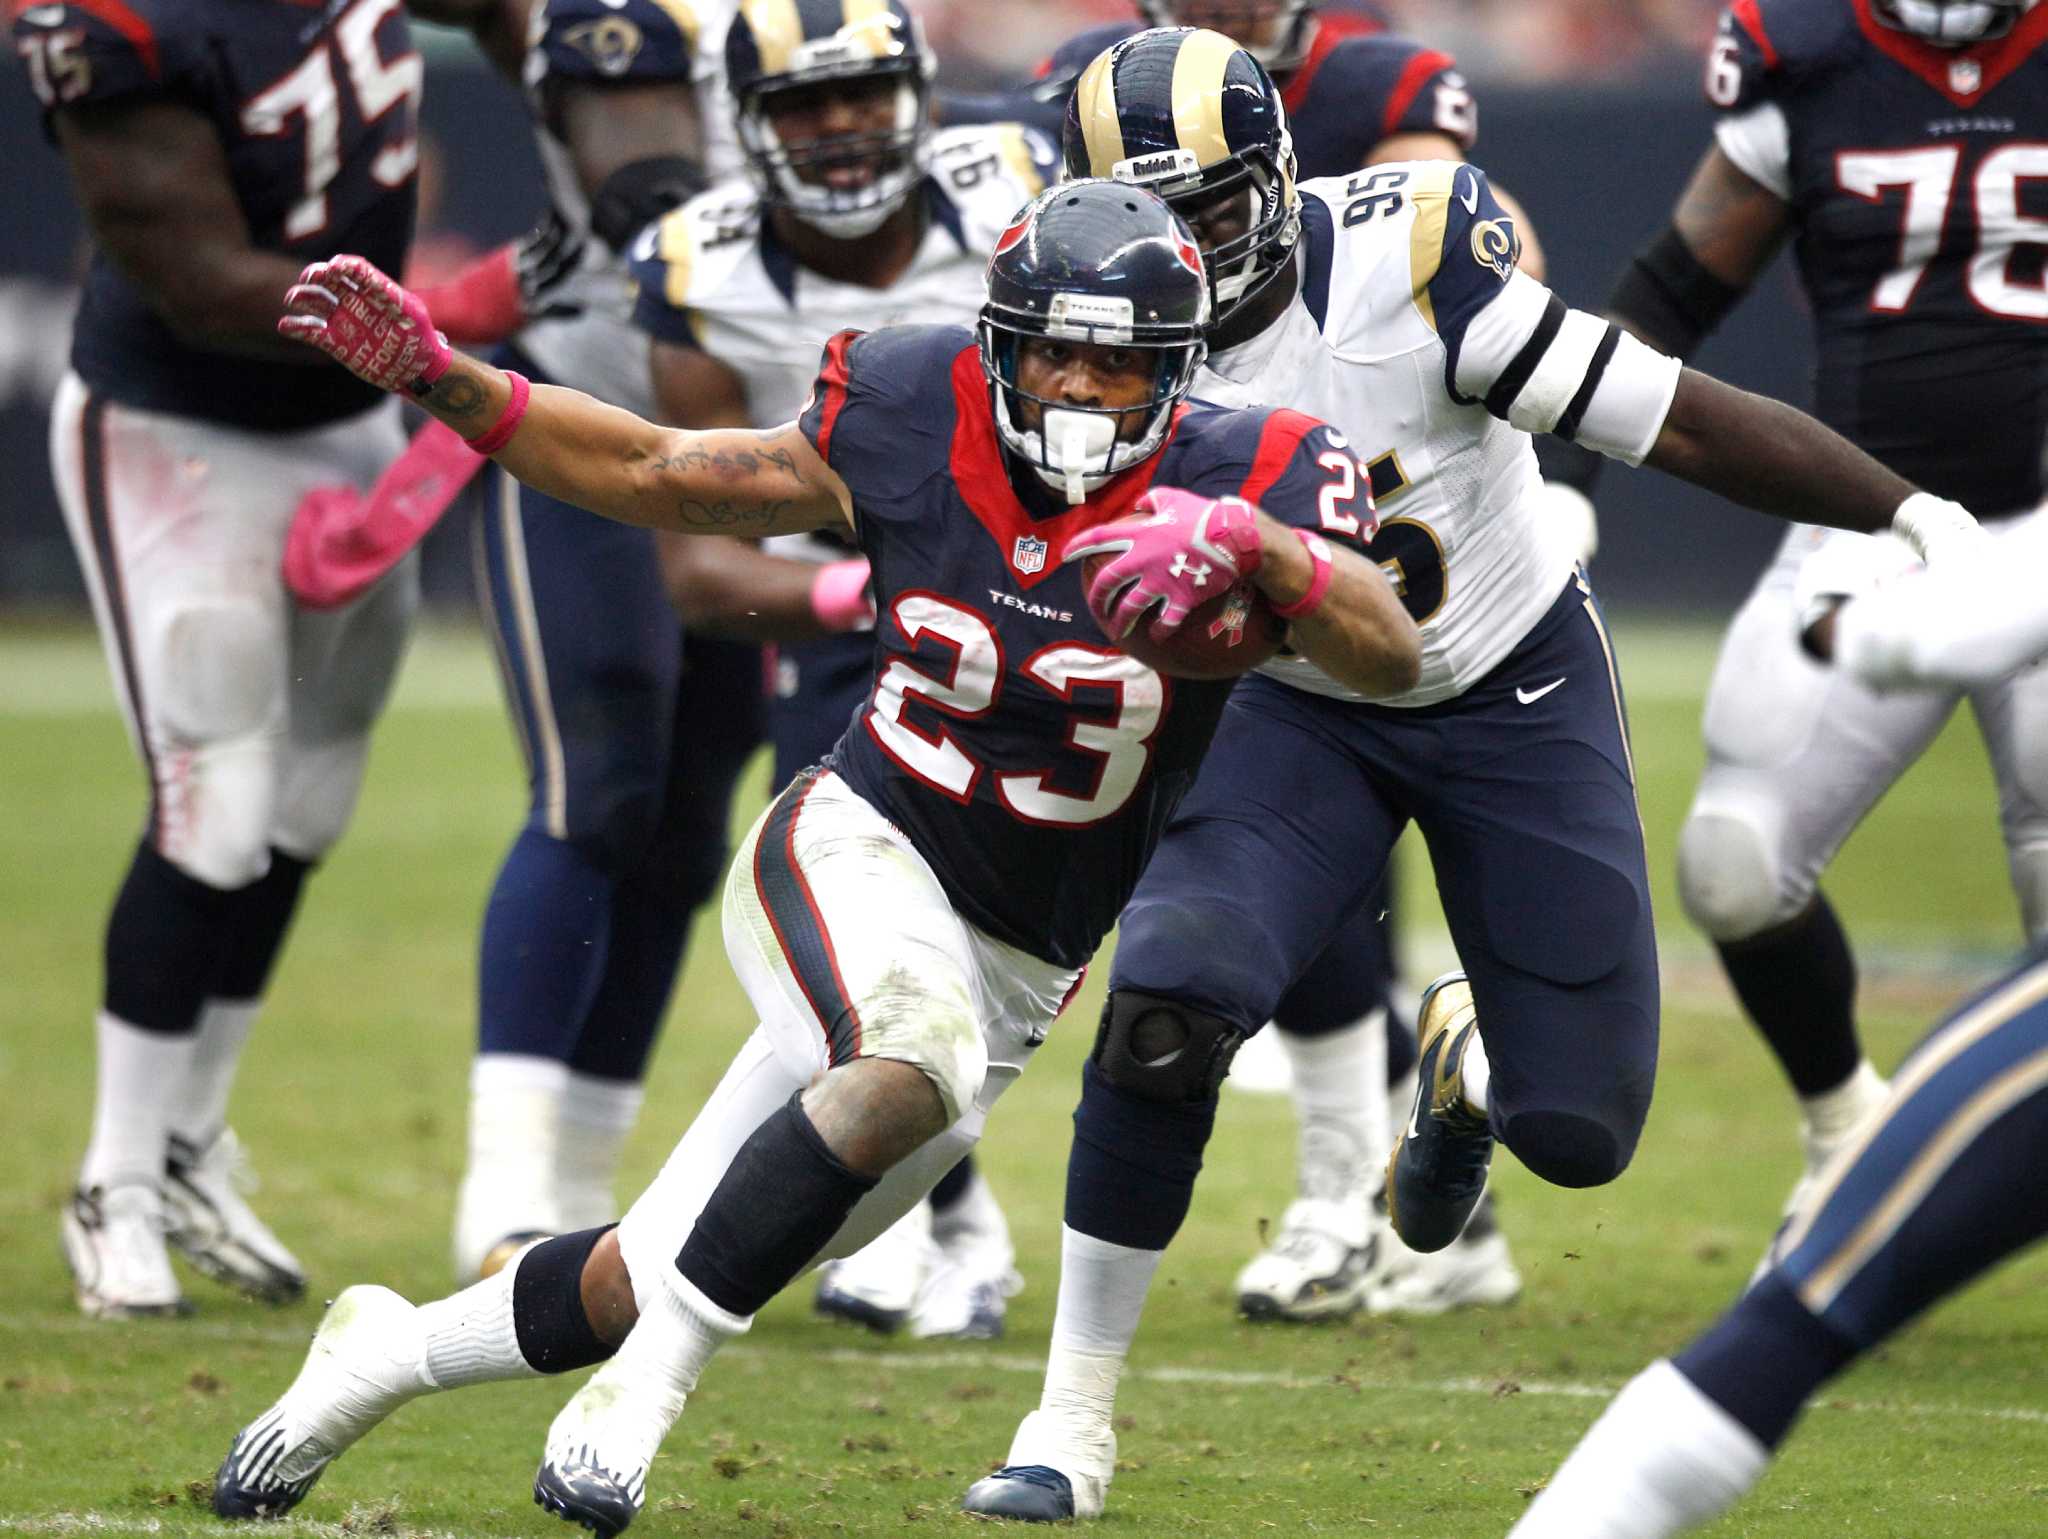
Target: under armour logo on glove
(1166,557)
(370,325)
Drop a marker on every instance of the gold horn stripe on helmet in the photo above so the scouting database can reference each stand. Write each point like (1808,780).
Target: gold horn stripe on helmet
(1095,105)
(869,21)
(778,29)
(1198,95)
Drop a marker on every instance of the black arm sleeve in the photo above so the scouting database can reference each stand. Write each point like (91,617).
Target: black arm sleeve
(1668,299)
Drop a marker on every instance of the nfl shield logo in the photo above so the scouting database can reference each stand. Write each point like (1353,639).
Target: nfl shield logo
(1028,554)
(1965,76)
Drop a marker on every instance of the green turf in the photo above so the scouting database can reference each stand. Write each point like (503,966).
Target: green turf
(352,1101)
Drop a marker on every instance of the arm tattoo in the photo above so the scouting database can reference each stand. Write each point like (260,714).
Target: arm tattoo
(455,395)
(753,470)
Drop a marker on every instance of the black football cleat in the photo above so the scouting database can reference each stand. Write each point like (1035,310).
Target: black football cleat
(1030,1493)
(1438,1170)
(579,1492)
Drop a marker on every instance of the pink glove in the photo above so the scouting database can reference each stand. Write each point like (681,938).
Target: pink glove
(341,541)
(364,321)
(1178,551)
(481,303)
(840,596)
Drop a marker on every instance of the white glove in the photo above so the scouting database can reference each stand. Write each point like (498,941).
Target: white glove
(1847,566)
(1936,527)
(1566,516)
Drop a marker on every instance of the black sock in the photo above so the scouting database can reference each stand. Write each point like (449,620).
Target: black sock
(1131,1174)
(1798,983)
(953,1184)
(258,919)
(554,1332)
(163,946)
(783,1196)
(1764,1358)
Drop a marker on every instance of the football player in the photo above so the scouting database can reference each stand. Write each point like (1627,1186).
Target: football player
(1939,1185)
(910,917)
(1355,95)
(213,155)
(1390,301)
(633,738)
(1894,138)
(855,212)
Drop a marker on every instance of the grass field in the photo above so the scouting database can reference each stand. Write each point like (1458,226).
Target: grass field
(352,1100)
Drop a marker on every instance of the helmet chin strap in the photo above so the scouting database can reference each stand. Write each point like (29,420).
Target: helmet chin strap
(1074,440)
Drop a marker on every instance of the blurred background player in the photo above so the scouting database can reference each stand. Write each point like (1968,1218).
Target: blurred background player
(214,154)
(1391,303)
(911,918)
(633,737)
(1354,94)
(858,214)
(1894,139)
(1939,1185)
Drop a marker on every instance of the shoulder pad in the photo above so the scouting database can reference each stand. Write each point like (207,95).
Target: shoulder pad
(993,169)
(99,50)
(681,262)
(1763,47)
(1396,86)
(1464,247)
(634,40)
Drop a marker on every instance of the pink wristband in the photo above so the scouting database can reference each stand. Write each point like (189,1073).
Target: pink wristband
(500,432)
(1318,585)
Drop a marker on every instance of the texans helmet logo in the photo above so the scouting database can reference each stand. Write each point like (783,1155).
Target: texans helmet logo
(1189,253)
(1014,234)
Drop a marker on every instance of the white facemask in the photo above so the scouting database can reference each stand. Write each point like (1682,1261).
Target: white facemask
(1952,26)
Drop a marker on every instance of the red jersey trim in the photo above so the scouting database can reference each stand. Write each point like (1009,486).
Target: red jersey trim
(141,37)
(1937,66)
(1330,31)
(1749,16)
(1278,439)
(833,376)
(1414,76)
(978,475)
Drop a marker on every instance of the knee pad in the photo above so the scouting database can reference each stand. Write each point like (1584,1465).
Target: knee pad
(1567,1148)
(220,672)
(1729,877)
(930,1029)
(215,808)
(1159,1049)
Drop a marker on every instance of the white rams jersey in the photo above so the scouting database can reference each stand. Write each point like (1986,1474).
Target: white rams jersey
(604,42)
(1415,336)
(712,275)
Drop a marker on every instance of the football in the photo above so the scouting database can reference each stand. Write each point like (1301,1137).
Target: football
(1230,634)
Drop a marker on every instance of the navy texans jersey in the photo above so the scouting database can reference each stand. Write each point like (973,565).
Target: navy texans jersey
(1031,762)
(317,110)
(1356,87)
(1918,181)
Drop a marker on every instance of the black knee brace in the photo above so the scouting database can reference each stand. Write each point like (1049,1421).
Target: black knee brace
(1159,1049)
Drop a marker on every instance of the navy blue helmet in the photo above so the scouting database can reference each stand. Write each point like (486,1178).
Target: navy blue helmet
(1287,25)
(776,49)
(1952,23)
(1195,118)
(1099,262)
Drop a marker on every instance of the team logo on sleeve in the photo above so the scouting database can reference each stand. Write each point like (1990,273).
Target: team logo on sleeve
(1028,554)
(1495,245)
(612,44)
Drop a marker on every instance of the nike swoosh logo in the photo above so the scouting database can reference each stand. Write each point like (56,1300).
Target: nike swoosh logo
(1470,197)
(1531,696)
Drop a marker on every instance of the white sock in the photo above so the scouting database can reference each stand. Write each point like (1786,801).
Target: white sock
(1661,1459)
(1102,1293)
(596,1117)
(678,1333)
(515,1104)
(469,1338)
(1832,1114)
(131,1111)
(200,1110)
(1340,1085)
(1475,1076)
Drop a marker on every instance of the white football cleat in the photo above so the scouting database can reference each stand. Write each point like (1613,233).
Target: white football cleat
(1059,1467)
(601,1446)
(365,1362)
(1476,1270)
(1316,1266)
(968,1289)
(114,1244)
(212,1226)
(878,1285)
